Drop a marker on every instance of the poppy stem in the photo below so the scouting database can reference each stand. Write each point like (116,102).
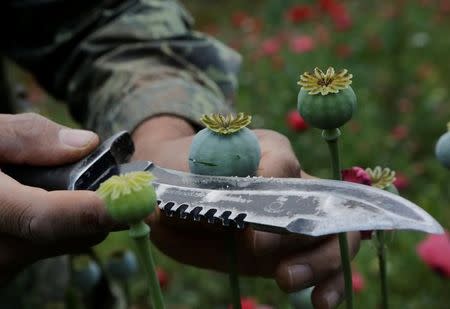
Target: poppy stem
(382,265)
(140,232)
(331,137)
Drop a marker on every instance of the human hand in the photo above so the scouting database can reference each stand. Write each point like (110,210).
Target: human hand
(295,261)
(34,223)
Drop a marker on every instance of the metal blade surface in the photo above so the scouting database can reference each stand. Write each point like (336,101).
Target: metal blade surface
(311,207)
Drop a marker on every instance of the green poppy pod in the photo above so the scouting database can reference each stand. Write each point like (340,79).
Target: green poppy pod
(130,197)
(225,147)
(326,100)
(442,148)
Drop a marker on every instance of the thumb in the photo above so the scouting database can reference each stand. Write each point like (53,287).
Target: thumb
(34,140)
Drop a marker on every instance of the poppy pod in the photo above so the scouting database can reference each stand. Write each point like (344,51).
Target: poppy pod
(326,100)
(130,197)
(225,147)
(443,148)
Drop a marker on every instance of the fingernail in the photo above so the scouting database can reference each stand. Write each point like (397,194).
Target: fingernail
(76,138)
(300,276)
(332,298)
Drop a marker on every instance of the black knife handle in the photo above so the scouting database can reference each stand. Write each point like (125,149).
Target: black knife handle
(85,174)
(49,178)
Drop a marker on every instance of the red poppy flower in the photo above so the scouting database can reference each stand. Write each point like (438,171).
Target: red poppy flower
(271,46)
(326,5)
(356,174)
(358,282)
(435,252)
(295,121)
(163,277)
(338,13)
(401,181)
(301,44)
(299,13)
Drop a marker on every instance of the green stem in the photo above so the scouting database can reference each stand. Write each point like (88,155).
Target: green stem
(140,233)
(233,271)
(331,137)
(382,265)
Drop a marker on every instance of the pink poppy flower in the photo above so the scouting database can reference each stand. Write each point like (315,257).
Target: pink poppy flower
(435,252)
(358,282)
(299,13)
(356,174)
(271,46)
(301,44)
(295,121)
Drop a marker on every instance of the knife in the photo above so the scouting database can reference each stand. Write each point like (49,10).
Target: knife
(282,205)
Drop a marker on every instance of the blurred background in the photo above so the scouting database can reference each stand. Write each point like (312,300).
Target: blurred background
(398,53)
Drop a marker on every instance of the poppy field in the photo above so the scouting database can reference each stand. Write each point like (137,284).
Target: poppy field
(397,52)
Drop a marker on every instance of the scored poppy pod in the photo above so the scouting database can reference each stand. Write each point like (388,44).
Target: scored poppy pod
(225,147)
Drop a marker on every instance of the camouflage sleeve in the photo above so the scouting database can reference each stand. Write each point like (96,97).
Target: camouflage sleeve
(121,64)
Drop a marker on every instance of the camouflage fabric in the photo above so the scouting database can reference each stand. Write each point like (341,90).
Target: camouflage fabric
(116,63)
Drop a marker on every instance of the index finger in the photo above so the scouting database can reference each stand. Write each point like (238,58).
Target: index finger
(45,217)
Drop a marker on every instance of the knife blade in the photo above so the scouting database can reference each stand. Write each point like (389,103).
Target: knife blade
(291,205)
(311,207)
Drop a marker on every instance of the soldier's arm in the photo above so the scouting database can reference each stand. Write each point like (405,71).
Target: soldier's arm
(118,63)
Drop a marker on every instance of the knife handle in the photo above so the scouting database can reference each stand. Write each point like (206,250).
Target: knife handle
(85,174)
(48,178)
